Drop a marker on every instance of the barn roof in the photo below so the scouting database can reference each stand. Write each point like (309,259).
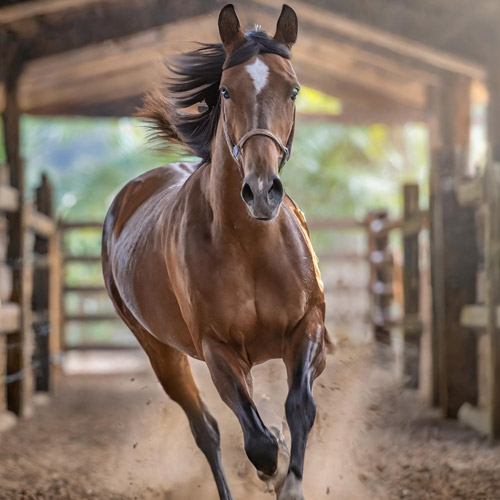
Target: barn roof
(381,57)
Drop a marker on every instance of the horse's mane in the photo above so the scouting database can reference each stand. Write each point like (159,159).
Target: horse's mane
(196,80)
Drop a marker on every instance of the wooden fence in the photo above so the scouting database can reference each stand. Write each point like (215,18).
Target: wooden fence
(483,317)
(402,329)
(29,293)
(70,317)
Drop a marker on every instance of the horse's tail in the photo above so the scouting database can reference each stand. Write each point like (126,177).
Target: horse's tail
(329,343)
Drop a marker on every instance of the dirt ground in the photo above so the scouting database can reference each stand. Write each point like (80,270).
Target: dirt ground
(118,437)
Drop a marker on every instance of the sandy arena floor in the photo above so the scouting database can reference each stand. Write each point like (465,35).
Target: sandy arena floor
(113,437)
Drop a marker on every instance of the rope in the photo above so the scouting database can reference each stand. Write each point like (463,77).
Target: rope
(40,329)
(17,376)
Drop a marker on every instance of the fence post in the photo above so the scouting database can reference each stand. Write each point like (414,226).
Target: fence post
(454,251)
(492,257)
(55,297)
(41,286)
(380,275)
(19,354)
(411,287)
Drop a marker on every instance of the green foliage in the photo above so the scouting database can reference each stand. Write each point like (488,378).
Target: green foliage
(314,101)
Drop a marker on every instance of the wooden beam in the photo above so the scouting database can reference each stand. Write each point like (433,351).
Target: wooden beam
(10,317)
(40,223)
(472,193)
(476,316)
(85,289)
(454,251)
(24,10)
(88,259)
(411,285)
(492,267)
(84,318)
(335,224)
(9,198)
(403,82)
(19,357)
(363,104)
(55,32)
(492,249)
(412,30)
(68,226)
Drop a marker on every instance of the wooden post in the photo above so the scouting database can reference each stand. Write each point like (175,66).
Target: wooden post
(411,288)
(380,276)
(55,296)
(492,259)
(454,250)
(493,243)
(41,289)
(19,390)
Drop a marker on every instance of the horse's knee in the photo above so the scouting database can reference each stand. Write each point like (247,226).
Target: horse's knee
(262,451)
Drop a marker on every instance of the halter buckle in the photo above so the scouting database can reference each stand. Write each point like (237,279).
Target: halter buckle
(236,151)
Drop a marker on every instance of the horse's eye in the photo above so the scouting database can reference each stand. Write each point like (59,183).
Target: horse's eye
(224,92)
(295,93)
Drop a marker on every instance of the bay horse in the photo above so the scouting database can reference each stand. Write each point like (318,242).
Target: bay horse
(211,259)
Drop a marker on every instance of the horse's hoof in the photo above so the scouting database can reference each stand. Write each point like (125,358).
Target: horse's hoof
(278,478)
(292,489)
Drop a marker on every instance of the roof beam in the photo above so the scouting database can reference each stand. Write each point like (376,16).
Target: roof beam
(52,32)
(347,19)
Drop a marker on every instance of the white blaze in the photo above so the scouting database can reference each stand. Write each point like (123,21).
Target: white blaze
(259,73)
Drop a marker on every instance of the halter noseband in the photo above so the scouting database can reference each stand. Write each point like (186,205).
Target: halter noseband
(236,149)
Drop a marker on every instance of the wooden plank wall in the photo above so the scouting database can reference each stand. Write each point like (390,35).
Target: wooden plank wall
(454,251)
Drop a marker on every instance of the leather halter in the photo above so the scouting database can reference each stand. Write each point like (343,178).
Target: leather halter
(236,149)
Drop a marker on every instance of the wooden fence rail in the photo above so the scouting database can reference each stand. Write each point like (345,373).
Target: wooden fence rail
(69,317)
(28,295)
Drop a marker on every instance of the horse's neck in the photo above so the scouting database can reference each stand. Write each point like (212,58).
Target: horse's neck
(223,188)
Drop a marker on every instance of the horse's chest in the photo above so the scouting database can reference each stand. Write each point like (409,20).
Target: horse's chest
(243,302)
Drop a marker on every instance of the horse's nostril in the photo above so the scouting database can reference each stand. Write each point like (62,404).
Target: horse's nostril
(276,191)
(247,194)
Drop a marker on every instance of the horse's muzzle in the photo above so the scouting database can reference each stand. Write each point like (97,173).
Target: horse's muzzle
(263,197)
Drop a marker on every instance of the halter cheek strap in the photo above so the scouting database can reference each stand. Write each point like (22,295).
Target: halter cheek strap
(236,149)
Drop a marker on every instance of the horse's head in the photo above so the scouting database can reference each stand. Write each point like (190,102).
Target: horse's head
(257,106)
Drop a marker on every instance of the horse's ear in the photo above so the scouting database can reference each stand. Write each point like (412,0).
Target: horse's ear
(229,28)
(287,27)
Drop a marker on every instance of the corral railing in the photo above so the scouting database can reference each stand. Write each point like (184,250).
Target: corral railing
(88,317)
(29,293)
(400,304)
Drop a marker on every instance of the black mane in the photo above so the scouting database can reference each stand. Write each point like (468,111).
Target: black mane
(196,80)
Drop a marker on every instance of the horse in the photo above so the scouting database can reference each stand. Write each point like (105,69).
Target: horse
(212,259)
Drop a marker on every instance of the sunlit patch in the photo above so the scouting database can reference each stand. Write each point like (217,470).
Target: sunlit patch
(259,73)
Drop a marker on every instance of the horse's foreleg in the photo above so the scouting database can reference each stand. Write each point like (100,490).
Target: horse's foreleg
(231,376)
(174,373)
(305,360)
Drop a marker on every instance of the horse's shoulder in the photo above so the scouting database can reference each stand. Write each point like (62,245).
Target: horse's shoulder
(144,187)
